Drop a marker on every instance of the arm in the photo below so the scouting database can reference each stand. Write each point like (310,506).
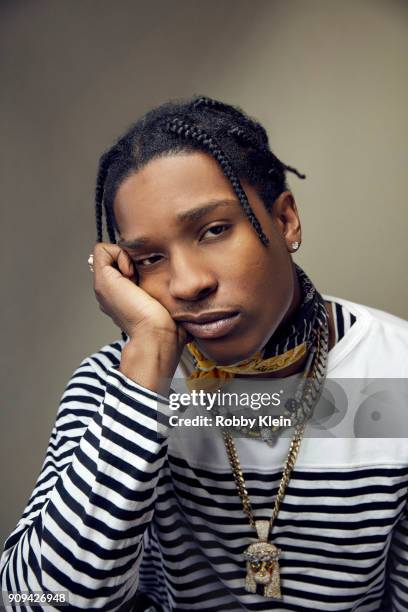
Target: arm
(396,599)
(83,525)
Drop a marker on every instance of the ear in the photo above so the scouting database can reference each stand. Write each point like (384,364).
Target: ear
(286,220)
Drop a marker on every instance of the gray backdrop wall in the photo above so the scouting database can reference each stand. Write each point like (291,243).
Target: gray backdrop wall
(328,80)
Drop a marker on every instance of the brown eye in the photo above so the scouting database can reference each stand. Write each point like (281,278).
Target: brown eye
(147,261)
(255,566)
(217,230)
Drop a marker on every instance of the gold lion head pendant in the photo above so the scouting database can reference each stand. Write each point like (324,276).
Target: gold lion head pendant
(263,568)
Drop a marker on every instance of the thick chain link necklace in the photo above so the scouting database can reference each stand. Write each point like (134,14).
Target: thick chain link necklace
(262,557)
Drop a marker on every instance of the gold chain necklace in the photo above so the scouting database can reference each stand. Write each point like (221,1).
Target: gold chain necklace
(262,558)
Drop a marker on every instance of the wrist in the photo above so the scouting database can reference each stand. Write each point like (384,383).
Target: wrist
(151,362)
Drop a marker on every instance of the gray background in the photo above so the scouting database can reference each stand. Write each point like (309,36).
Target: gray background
(328,80)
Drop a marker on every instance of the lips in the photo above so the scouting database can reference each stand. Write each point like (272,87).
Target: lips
(211,326)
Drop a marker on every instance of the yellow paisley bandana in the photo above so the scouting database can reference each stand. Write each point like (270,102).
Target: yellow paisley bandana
(210,376)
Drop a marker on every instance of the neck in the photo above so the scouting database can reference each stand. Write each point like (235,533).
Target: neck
(297,367)
(296,300)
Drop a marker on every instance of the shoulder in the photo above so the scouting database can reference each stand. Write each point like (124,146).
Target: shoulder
(375,346)
(375,316)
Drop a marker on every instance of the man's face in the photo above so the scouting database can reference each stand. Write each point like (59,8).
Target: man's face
(210,259)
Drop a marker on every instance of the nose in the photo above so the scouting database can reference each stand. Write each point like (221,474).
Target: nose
(190,280)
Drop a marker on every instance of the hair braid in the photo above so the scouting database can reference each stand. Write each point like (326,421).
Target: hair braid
(184,129)
(277,165)
(246,138)
(236,113)
(100,182)
(294,170)
(109,223)
(100,203)
(210,103)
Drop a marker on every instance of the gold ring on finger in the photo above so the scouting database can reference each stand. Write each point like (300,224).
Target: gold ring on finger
(90,262)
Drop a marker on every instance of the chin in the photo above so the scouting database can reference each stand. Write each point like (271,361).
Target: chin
(224,355)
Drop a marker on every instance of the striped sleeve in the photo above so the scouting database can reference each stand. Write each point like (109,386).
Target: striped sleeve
(82,530)
(397,587)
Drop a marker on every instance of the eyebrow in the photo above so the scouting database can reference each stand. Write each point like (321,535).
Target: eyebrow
(185,217)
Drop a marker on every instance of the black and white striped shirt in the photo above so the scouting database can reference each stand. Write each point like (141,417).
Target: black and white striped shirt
(116,510)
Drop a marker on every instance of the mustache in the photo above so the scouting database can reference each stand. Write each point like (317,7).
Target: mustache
(195,308)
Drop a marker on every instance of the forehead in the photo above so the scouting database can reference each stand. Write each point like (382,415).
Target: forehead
(166,186)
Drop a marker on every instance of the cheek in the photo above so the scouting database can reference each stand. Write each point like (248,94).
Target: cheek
(260,271)
(265,278)
(154,285)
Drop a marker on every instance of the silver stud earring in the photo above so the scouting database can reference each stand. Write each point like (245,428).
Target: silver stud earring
(295,245)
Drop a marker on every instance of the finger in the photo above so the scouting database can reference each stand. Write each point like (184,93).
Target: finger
(108,254)
(125,264)
(105,254)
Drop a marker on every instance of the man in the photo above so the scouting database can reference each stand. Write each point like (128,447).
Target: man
(202,283)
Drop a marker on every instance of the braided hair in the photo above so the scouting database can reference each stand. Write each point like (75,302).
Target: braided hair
(238,143)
